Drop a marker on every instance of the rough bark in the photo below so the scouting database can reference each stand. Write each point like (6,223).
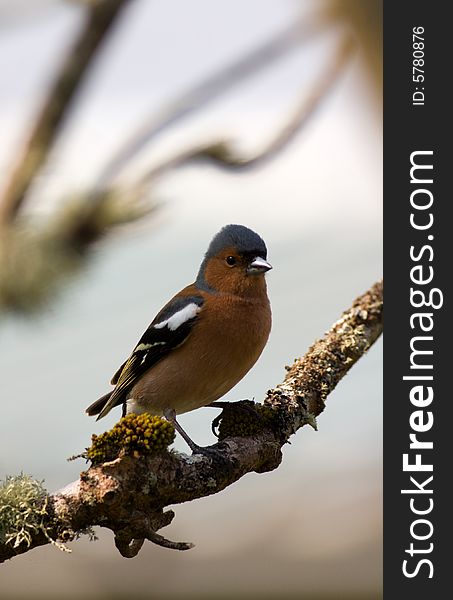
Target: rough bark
(129,495)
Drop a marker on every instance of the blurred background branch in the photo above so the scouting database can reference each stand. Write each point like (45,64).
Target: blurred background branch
(222,155)
(202,94)
(101,15)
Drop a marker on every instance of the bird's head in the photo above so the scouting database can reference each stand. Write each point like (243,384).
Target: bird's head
(235,262)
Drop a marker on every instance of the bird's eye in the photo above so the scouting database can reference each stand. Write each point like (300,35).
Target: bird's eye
(231,261)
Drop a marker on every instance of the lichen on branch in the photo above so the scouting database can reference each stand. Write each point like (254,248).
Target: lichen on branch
(25,512)
(136,435)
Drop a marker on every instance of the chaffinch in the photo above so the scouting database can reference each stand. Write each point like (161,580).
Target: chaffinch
(204,340)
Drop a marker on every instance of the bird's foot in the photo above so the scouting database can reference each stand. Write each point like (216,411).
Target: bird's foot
(208,451)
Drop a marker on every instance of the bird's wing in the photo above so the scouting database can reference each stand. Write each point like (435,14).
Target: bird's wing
(169,329)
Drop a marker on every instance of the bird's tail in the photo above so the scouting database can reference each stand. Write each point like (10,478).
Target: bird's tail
(96,407)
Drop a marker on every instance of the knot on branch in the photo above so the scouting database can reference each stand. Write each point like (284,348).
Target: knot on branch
(127,545)
(243,419)
(129,539)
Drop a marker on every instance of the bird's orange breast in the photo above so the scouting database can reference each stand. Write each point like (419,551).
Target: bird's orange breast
(225,343)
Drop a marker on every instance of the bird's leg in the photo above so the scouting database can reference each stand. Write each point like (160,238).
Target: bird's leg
(170,415)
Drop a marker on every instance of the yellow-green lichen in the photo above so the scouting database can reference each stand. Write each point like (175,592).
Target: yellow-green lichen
(133,434)
(24,511)
(244,419)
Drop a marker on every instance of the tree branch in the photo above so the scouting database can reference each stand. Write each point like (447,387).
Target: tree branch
(208,90)
(128,495)
(222,155)
(100,18)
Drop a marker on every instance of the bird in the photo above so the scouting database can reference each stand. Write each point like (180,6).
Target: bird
(204,340)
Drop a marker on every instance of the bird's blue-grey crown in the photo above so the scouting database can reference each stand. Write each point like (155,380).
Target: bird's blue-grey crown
(242,238)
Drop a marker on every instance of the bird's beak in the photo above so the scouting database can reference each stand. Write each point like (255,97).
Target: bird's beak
(258,265)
